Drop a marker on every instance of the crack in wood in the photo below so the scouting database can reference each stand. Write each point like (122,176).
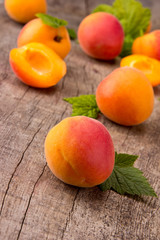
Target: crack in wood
(86,6)
(8,186)
(126,137)
(17,104)
(107,197)
(32,113)
(4,74)
(29,201)
(70,213)
(63,112)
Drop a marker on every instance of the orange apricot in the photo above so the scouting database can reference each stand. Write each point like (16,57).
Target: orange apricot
(79,151)
(37,65)
(55,38)
(149,66)
(24,11)
(148,44)
(125,96)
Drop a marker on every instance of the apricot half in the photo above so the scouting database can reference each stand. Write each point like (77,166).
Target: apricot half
(148,44)
(24,11)
(55,38)
(79,151)
(101,36)
(37,65)
(149,66)
(125,96)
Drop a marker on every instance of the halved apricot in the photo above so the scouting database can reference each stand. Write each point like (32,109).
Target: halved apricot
(37,65)
(149,66)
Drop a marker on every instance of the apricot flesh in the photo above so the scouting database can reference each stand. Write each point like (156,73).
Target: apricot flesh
(37,65)
(148,44)
(149,66)
(24,11)
(55,38)
(125,96)
(79,151)
(101,36)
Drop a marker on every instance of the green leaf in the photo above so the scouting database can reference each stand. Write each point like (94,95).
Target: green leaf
(133,17)
(124,160)
(127,179)
(51,21)
(84,105)
(127,46)
(72,33)
(104,8)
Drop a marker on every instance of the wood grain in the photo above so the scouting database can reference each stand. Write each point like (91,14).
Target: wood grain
(33,203)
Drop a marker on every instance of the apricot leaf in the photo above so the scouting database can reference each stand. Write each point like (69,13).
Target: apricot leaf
(124,160)
(84,105)
(127,46)
(51,21)
(126,179)
(72,33)
(133,17)
(104,8)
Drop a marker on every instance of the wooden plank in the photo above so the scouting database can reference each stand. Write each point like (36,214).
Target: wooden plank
(36,205)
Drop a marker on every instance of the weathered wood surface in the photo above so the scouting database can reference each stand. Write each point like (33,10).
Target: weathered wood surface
(36,205)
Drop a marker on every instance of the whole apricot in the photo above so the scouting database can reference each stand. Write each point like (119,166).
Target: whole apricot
(101,36)
(125,96)
(24,11)
(79,151)
(55,38)
(148,44)
(149,66)
(37,65)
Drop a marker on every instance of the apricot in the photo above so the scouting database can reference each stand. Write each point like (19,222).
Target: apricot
(37,65)
(79,151)
(149,66)
(55,38)
(125,96)
(101,36)
(148,44)
(24,11)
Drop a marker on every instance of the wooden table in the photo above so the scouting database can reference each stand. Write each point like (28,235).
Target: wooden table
(34,203)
